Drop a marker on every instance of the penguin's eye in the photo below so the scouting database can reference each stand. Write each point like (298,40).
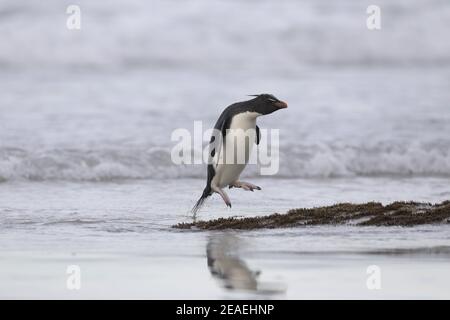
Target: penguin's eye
(272,100)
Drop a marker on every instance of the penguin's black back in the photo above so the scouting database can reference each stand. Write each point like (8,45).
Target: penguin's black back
(223,123)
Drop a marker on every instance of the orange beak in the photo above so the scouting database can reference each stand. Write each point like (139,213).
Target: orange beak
(281,104)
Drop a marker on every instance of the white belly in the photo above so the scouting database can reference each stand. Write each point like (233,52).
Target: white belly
(236,150)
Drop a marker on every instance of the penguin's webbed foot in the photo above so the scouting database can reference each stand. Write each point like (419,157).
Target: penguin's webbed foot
(223,195)
(245,185)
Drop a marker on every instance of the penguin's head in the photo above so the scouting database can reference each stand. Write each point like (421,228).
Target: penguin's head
(267,103)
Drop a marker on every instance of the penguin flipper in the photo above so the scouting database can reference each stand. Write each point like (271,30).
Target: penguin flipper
(258,135)
(222,125)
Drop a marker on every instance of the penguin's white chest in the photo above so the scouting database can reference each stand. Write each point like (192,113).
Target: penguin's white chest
(236,150)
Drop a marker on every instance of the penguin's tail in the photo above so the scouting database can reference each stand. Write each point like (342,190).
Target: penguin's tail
(206,193)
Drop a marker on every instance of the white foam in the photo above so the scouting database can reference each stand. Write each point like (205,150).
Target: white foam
(319,161)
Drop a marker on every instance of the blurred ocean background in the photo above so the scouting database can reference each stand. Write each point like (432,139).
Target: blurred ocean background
(87,115)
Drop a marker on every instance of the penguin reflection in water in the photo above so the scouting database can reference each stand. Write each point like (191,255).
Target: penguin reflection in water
(223,253)
(237,131)
(225,265)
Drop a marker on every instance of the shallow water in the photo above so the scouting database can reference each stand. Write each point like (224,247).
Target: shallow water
(120,236)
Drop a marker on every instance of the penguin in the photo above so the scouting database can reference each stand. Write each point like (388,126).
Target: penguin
(236,120)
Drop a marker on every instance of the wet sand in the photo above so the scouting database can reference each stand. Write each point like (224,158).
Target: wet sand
(366,214)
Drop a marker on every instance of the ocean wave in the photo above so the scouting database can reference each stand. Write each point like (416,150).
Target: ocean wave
(319,160)
(166,34)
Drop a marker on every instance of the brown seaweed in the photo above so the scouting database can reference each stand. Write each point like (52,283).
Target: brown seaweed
(367,214)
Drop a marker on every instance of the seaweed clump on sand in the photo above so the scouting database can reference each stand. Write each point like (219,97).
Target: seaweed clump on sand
(367,214)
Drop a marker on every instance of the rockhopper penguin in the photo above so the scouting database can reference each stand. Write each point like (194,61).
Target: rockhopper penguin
(235,121)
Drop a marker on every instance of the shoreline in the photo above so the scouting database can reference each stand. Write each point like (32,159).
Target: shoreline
(398,213)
